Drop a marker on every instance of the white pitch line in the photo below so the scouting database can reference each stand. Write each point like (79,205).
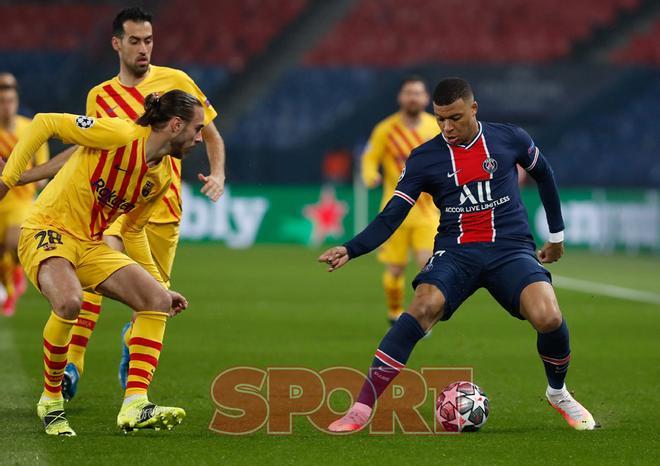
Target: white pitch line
(605,289)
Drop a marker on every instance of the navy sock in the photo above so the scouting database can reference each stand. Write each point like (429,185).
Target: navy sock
(555,352)
(391,356)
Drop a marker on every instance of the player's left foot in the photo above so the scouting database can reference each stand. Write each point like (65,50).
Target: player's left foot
(125,357)
(142,414)
(355,419)
(70,381)
(575,414)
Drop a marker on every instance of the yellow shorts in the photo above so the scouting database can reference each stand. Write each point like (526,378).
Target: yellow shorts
(416,236)
(12,215)
(94,261)
(163,239)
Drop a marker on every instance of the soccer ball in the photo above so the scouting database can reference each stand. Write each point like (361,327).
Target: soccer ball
(462,407)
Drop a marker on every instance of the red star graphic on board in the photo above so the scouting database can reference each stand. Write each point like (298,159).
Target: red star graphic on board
(327,215)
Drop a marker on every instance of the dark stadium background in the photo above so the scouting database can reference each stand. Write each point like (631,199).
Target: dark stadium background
(298,85)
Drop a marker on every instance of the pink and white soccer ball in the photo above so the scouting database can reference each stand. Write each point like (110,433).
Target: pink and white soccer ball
(462,407)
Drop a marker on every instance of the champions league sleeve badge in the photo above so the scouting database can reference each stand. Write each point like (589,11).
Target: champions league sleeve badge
(490,165)
(84,122)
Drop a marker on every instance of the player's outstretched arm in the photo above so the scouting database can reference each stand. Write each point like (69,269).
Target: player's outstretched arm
(214,184)
(48,169)
(334,257)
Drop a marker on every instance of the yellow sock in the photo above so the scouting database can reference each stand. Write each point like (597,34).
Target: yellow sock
(393,287)
(127,335)
(57,334)
(145,345)
(7,265)
(82,331)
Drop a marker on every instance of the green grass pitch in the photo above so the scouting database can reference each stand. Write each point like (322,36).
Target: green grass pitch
(273,305)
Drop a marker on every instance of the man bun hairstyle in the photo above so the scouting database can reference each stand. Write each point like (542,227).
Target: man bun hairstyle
(135,14)
(159,109)
(450,90)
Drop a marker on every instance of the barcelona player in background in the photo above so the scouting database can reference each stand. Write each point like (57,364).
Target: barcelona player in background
(388,148)
(123,97)
(14,208)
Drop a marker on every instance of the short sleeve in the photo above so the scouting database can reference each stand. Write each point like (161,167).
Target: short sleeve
(189,86)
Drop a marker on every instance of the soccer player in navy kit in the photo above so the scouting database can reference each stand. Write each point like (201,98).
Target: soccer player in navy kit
(483,240)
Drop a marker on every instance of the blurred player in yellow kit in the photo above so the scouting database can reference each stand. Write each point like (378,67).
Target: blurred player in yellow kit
(123,97)
(388,149)
(121,168)
(14,208)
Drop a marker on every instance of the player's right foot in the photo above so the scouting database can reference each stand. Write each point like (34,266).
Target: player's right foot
(70,381)
(51,412)
(142,414)
(573,412)
(355,419)
(125,357)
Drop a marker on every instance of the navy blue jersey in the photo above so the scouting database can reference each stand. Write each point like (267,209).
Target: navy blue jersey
(475,187)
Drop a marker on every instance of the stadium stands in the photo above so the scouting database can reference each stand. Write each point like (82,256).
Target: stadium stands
(304,102)
(221,32)
(643,48)
(56,26)
(615,146)
(484,31)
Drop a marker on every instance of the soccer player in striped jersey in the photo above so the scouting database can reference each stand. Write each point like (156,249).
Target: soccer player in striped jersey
(388,148)
(121,168)
(14,208)
(484,240)
(123,97)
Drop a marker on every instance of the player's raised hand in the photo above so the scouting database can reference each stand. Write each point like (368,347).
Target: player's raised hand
(213,187)
(179,303)
(334,257)
(551,252)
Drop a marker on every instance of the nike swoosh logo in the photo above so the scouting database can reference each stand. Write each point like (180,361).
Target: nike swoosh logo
(119,169)
(449,175)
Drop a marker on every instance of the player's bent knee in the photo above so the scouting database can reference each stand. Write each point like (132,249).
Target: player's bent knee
(427,306)
(68,307)
(158,300)
(547,316)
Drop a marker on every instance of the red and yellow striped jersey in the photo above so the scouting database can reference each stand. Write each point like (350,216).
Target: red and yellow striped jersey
(113,99)
(107,176)
(8,139)
(389,146)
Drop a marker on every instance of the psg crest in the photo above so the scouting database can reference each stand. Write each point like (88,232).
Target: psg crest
(490,165)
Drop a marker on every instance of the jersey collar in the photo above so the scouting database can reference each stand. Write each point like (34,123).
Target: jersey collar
(471,143)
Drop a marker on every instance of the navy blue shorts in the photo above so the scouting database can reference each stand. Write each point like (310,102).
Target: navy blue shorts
(503,269)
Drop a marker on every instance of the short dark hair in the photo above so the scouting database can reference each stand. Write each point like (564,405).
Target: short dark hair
(451,89)
(412,78)
(7,87)
(135,14)
(159,109)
